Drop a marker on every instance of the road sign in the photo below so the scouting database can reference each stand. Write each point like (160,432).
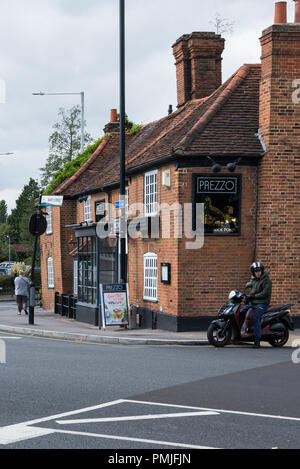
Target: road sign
(55,201)
(120,204)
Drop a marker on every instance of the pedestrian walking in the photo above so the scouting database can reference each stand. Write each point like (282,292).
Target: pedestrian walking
(22,285)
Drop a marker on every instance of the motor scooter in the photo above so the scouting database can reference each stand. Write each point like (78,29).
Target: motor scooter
(275,324)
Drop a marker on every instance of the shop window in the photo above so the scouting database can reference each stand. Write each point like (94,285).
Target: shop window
(75,277)
(150,196)
(88,209)
(108,267)
(221,196)
(49,219)
(150,276)
(87,269)
(50,271)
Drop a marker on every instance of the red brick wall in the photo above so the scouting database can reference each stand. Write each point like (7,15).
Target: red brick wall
(57,246)
(278,242)
(166,250)
(207,275)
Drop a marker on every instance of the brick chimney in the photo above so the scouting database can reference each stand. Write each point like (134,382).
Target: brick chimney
(198,65)
(114,125)
(278,222)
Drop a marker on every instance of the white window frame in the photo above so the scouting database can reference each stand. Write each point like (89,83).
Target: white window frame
(49,220)
(50,272)
(87,209)
(150,193)
(75,277)
(150,277)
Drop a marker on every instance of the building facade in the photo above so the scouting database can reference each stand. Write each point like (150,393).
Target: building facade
(233,148)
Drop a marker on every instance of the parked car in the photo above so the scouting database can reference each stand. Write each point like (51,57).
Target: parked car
(3,271)
(7,265)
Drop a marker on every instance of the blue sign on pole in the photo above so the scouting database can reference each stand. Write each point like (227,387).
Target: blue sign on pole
(120,204)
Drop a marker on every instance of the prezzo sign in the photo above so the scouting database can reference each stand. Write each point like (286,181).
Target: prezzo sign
(216,185)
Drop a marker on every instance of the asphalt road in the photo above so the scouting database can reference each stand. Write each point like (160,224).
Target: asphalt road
(56,394)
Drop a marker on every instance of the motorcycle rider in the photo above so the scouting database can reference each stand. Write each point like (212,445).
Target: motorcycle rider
(259,299)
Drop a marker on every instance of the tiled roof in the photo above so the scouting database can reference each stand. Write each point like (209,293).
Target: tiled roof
(226,122)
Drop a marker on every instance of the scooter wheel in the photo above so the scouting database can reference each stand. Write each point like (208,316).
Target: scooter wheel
(280,341)
(216,338)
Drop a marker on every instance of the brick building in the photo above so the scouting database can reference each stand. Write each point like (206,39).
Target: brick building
(188,157)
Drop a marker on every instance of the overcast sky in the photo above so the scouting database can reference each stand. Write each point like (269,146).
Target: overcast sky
(72,46)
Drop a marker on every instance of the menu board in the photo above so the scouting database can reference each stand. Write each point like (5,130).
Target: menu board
(114,304)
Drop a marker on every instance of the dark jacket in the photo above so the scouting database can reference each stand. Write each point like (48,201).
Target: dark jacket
(261,290)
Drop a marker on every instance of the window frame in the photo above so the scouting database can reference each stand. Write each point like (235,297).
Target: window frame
(150,207)
(87,209)
(75,277)
(147,280)
(49,219)
(50,273)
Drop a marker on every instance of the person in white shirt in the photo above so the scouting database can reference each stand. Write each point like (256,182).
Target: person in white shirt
(22,285)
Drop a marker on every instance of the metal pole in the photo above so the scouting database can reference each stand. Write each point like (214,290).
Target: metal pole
(32,285)
(123,273)
(8,248)
(82,122)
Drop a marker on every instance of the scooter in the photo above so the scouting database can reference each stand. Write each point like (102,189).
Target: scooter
(275,324)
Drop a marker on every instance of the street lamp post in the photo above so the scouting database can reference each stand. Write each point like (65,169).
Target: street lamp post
(123,273)
(82,110)
(8,237)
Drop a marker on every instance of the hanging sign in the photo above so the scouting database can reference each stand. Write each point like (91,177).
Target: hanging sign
(114,304)
(55,201)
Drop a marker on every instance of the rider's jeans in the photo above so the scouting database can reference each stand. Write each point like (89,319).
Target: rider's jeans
(258,311)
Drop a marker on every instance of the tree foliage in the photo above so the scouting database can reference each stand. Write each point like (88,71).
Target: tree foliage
(18,220)
(64,142)
(3,211)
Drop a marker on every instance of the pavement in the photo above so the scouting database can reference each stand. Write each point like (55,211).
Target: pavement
(49,325)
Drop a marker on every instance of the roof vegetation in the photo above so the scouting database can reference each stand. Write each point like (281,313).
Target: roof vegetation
(74,165)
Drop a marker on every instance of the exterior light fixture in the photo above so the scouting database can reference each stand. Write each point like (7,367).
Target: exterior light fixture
(216,168)
(232,166)
(83,198)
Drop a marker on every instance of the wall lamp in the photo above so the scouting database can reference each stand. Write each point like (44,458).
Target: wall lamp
(83,198)
(216,167)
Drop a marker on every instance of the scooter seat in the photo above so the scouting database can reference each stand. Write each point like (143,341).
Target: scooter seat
(273,309)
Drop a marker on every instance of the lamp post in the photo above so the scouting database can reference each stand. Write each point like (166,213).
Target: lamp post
(8,237)
(123,273)
(82,110)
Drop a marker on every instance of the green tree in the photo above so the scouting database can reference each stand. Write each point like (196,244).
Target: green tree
(19,217)
(64,142)
(3,211)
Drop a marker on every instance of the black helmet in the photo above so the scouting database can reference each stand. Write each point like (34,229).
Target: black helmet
(257,266)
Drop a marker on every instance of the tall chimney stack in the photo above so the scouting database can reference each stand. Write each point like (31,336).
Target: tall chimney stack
(113,126)
(198,65)
(297,11)
(280,13)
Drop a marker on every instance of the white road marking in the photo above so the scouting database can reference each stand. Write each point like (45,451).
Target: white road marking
(139,440)
(10,338)
(23,431)
(136,417)
(222,411)
(15,433)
